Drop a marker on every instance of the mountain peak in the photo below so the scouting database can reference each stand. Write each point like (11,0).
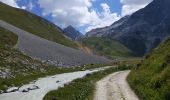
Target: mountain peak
(72,33)
(70,26)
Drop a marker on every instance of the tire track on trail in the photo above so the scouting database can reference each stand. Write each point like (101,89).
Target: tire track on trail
(114,87)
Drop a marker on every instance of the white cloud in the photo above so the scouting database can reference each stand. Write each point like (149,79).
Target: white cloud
(78,13)
(30,6)
(67,12)
(130,6)
(105,18)
(11,3)
(129,9)
(23,7)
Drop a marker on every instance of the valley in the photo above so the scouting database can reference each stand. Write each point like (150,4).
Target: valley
(73,53)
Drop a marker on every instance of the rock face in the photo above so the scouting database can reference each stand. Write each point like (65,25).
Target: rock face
(100,32)
(49,51)
(72,33)
(141,31)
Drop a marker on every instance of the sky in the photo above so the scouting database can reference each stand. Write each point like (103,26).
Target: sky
(84,15)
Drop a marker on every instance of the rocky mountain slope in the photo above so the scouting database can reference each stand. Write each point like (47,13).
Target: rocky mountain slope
(101,32)
(49,51)
(141,31)
(34,24)
(151,80)
(72,33)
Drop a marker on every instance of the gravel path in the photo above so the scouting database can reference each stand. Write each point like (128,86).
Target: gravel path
(114,87)
(43,49)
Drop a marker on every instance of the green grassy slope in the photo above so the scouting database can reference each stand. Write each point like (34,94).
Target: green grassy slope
(33,24)
(7,39)
(106,47)
(151,80)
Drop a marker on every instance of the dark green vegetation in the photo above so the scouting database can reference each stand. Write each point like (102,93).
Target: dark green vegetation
(106,47)
(17,69)
(33,24)
(151,79)
(81,89)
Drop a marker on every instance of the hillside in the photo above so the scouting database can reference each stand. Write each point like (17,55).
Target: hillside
(143,30)
(15,67)
(34,24)
(106,47)
(151,80)
(49,51)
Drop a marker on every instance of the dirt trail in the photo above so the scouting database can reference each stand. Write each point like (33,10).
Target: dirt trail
(114,87)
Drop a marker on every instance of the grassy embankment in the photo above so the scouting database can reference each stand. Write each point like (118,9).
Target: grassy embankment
(151,80)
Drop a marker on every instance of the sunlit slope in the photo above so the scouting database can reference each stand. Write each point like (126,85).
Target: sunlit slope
(151,80)
(33,24)
(106,47)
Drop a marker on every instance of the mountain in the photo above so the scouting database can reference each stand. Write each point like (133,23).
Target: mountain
(143,30)
(106,47)
(72,33)
(151,79)
(34,24)
(101,32)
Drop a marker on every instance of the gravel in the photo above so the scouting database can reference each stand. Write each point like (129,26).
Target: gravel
(49,51)
(114,87)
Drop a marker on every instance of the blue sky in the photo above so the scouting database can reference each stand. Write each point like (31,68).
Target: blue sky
(115,5)
(84,15)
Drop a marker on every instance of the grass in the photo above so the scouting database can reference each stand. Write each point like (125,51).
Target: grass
(81,89)
(7,38)
(34,24)
(151,79)
(106,47)
(22,69)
